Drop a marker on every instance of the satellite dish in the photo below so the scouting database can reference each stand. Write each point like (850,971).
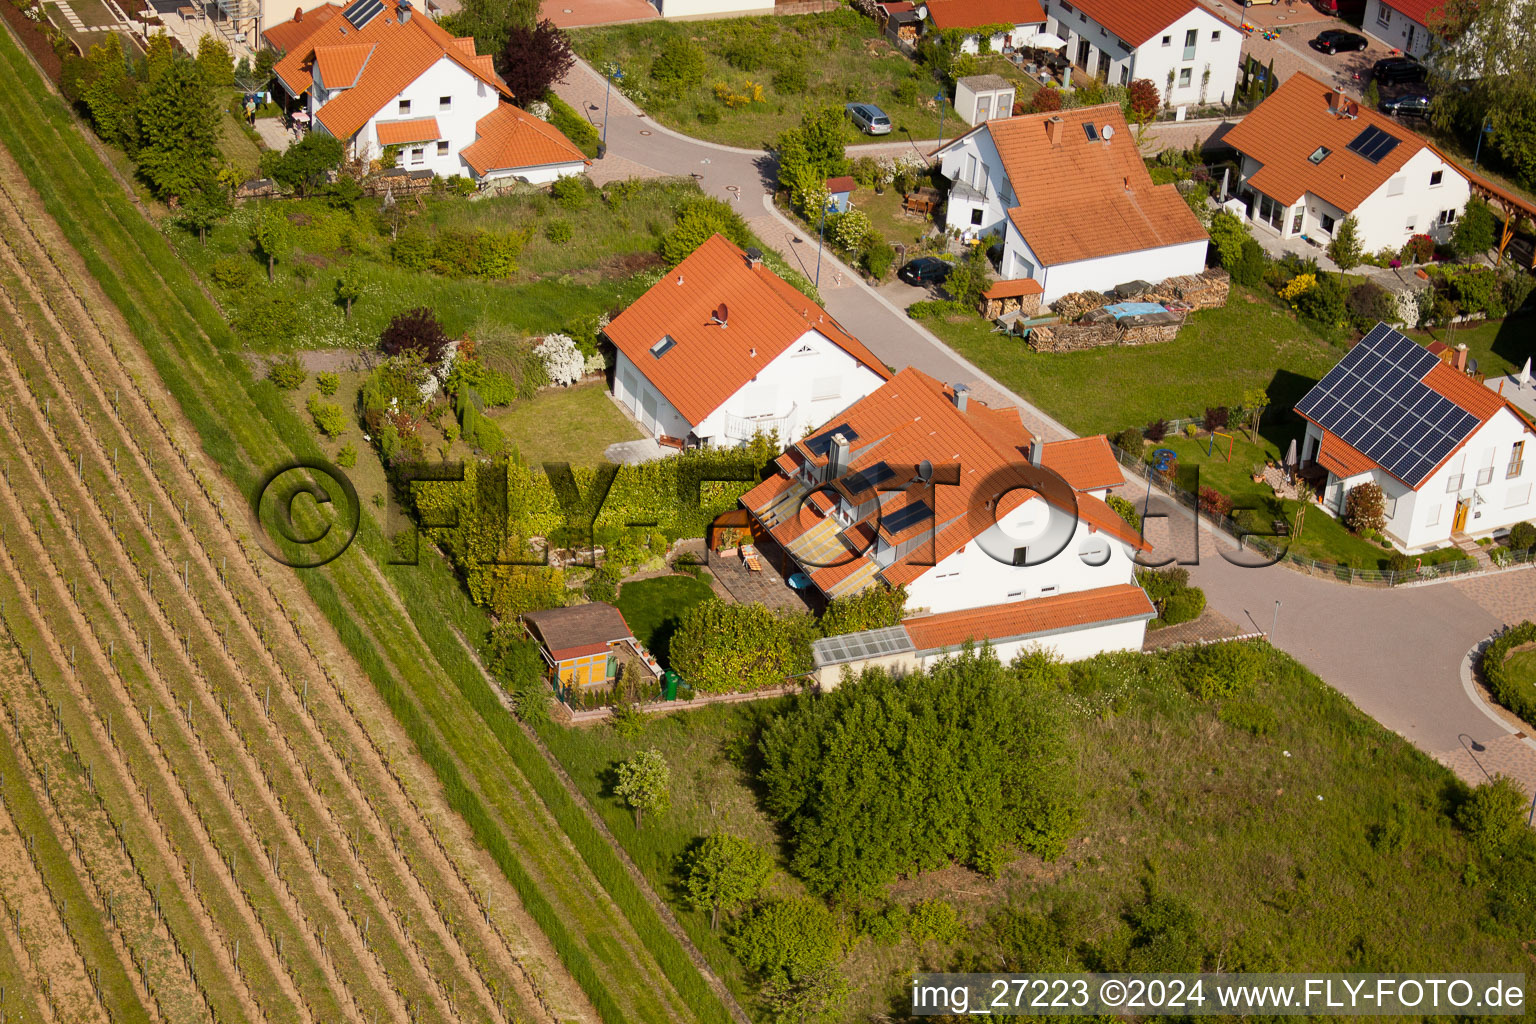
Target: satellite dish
(720,314)
(1108,131)
(922,12)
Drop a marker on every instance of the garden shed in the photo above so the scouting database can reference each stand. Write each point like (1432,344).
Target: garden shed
(1019,295)
(981,98)
(838,192)
(582,644)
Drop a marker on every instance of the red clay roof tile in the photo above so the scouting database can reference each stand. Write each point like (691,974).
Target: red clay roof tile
(398,133)
(509,137)
(979,13)
(1034,616)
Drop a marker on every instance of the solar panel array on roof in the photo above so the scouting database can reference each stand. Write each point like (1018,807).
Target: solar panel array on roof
(874,643)
(362,12)
(905,517)
(1376,401)
(822,442)
(1373,144)
(869,477)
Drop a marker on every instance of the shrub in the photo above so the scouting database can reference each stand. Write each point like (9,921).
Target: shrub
(1365,509)
(411,249)
(1516,693)
(1184,606)
(1227,236)
(873,607)
(571,192)
(1214,503)
(680,64)
(1522,536)
(1369,303)
(878,258)
(1220,670)
(1125,510)
(604,584)
(790,78)
(1324,302)
(788,939)
(1129,440)
(853,828)
(724,648)
(232,273)
(1217,417)
(1251,264)
(415,330)
(906,91)
(1155,431)
(1475,229)
(1418,249)
(347,457)
(327,383)
(1045,101)
(327,416)
(287,373)
(558,231)
(572,125)
(1493,815)
(697,221)
(934,920)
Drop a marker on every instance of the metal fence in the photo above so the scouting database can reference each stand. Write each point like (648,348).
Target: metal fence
(1502,557)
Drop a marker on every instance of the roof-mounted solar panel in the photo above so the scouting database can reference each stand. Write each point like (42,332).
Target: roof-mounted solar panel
(822,442)
(906,517)
(1373,144)
(362,12)
(870,477)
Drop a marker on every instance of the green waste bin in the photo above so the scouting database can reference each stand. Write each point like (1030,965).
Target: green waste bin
(670,680)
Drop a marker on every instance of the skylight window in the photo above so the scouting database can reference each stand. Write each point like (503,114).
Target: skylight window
(1319,154)
(1092,132)
(663,346)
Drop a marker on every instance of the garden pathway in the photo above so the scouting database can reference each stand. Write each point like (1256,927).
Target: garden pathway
(1395,653)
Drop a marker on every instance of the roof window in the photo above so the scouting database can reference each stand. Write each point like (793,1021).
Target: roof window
(663,346)
(1319,154)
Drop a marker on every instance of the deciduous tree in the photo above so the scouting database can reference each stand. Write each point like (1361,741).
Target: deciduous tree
(534,59)
(1345,250)
(349,288)
(178,128)
(644,783)
(723,872)
(415,330)
(273,237)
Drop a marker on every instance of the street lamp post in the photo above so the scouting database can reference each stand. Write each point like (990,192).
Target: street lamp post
(1480,133)
(612,71)
(940,99)
(1274,622)
(821,235)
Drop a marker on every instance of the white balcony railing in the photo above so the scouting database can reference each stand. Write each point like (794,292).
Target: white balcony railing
(742,428)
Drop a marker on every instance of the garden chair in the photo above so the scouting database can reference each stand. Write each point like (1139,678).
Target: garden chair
(749,556)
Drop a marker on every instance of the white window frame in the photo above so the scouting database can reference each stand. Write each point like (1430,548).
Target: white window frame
(1433,519)
(445,103)
(1453,482)
(403,107)
(442,147)
(418,156)
(1517,496)
(1436,178)
(1383,13)
(1186,77)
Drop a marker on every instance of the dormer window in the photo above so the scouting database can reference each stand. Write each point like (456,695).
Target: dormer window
(1319,154)
(663,346)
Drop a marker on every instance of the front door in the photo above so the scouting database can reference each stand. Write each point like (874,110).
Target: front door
(1408,47)
(1082,54)
(1460,522)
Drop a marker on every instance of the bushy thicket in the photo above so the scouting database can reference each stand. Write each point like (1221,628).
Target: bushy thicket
(1170,593)
(488,254)
(873,607)
(725,648)
(883,777)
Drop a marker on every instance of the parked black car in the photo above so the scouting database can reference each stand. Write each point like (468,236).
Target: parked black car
(1395,70)
(925,270)
(1409,104)
(1336,40)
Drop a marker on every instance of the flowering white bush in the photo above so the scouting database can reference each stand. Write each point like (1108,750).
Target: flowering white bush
(849,230)
(596,363)
(563,361)
(539,109)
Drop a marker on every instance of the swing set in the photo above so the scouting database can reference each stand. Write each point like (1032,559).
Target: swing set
(1210,447)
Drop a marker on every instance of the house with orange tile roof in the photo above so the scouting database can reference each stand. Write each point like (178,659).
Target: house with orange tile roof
(997,536)
(1069,197)
(722,349)
(1017,22)
(1402,24)
(1191,55)
(1311,156)
(385,80)
(1447,451)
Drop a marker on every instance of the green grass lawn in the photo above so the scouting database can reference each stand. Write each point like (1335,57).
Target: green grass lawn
(570,425)
(1248,343)
(886,214)
(841,54)
(1521,666)
(1324,844)
(654,607)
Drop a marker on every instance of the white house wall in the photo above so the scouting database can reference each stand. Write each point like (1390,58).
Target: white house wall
(972,578)
(1218,47)
(1017,37)
(541,175)
(1105,272)
(1074,645)
(694,8)
(975,161)
(791,394)
(1395,29)
(471,99)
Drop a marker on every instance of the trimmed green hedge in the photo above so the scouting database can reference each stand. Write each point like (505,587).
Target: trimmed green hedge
(1518,695)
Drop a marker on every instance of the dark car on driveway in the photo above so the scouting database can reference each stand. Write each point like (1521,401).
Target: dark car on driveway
(1397,70)
(1336,40)
(1409,104)
(925,270)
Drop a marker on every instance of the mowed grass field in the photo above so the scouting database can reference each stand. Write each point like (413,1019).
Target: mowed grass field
(295,796)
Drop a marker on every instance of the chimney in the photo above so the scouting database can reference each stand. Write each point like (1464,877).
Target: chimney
(404,11)
(1333,101)
(1459,360)
(1036,451)
(1053,129)
(754,257)
(298,14)
(837,456)
(962,396)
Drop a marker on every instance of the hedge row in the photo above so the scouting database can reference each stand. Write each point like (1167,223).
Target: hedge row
(1516,694)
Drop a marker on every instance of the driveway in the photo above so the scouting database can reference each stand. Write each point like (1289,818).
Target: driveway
(1397,654)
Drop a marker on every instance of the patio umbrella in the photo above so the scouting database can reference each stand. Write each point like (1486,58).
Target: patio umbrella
(1525,373)
(1290,461)
(1046,41)
(301,117)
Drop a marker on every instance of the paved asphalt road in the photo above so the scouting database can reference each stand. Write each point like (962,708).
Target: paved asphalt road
(1396,653)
